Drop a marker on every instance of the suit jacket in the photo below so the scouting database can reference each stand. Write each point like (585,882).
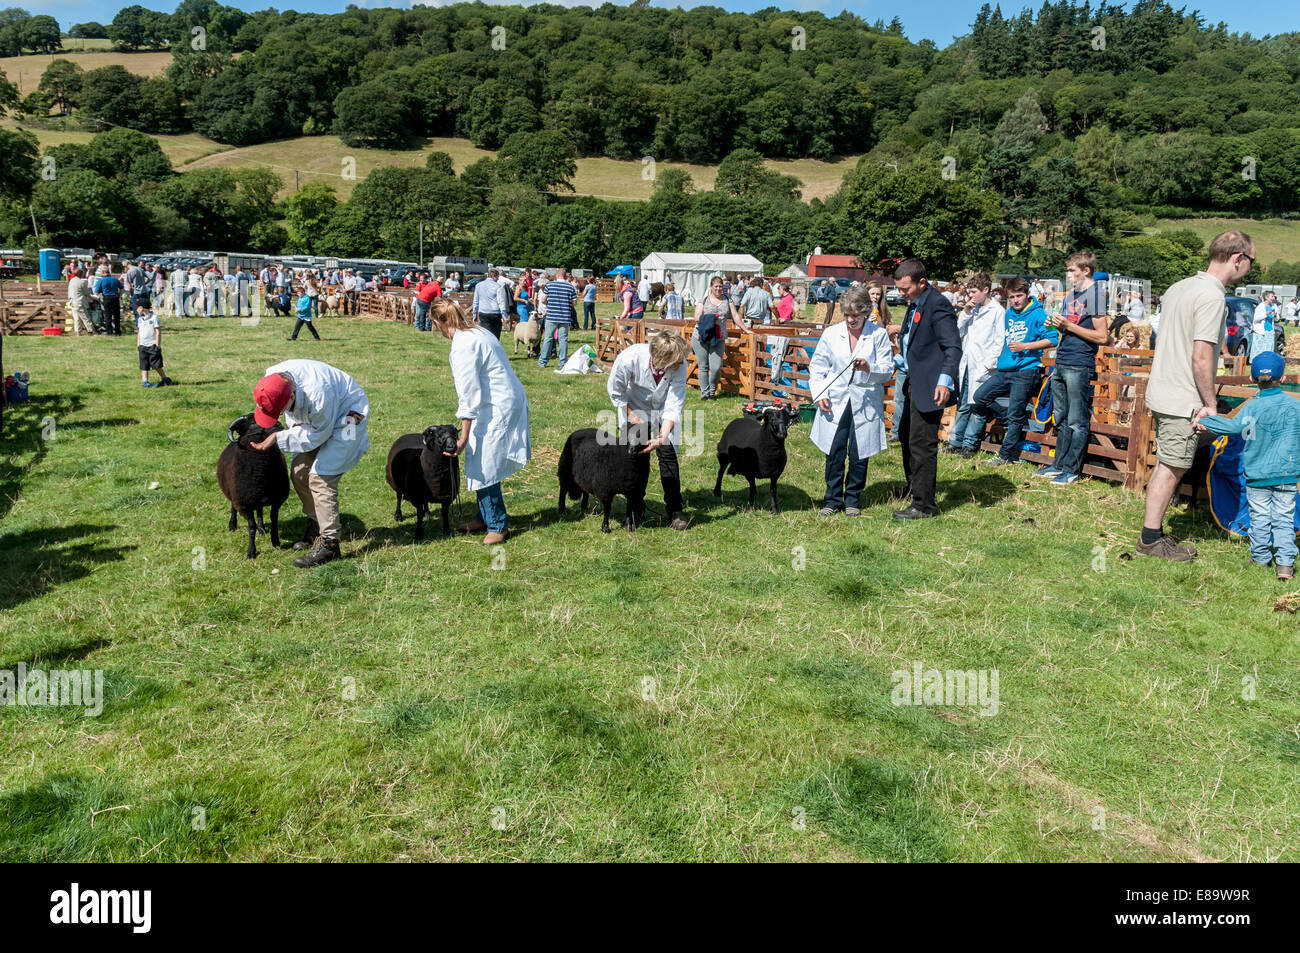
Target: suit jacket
(933,348)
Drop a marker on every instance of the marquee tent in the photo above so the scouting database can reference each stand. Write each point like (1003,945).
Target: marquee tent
(691,272)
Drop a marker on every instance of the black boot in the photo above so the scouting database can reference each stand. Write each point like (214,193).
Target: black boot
(309,535)
(322,551)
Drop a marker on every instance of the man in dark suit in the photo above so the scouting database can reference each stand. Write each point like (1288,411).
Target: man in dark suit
(931,354)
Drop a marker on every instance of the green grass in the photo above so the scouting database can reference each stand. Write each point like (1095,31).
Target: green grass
(766,730)
(1276,239)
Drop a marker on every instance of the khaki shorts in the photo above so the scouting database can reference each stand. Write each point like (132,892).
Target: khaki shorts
(1176,441)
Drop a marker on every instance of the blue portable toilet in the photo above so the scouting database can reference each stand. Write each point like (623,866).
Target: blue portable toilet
(51,263)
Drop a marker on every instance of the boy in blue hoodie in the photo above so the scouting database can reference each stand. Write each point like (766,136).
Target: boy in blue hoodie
(1019,364)
(304,317)
(1270,426)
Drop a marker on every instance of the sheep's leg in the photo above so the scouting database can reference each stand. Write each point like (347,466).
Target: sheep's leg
(275,525)
(563,494)
(722,469)
(419,522)
(397,516)
(234,518)
(635,512)
(252,536)
(774,494)
(446,519)
(753,491)
(586,503)
(261,526)
(604,526)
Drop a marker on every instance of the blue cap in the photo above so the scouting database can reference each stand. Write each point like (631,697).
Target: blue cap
(1269,364)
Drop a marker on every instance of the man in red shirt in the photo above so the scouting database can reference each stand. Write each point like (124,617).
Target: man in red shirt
(425,292)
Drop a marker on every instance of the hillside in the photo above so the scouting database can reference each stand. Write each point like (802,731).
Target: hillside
(25,71)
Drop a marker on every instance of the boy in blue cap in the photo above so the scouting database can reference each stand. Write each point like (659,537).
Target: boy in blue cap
(1270,426)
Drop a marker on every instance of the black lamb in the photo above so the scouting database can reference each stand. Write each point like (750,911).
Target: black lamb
(418,471)
(595,463)
(253,479)
(754,446)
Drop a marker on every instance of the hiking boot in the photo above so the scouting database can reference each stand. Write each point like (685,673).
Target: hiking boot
(322,551)
(1166,548)
(967,454)
(309,534)
(680,521)
(496,539)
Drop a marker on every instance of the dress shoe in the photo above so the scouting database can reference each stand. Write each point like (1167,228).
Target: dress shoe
(912,513)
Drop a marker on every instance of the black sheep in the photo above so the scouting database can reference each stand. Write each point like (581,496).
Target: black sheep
(253,479)
(418,471)
(594,463)
(754,446)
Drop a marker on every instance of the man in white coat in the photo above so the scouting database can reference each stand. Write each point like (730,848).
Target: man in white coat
(325,411)
(493,412)
(983,332)
(647,385)
(846,377)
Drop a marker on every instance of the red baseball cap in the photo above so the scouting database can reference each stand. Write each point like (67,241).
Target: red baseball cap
(271,395)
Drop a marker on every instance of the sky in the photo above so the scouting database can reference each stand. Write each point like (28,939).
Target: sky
(937,20)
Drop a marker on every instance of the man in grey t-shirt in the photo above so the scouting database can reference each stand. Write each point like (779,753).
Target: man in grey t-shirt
(756,303)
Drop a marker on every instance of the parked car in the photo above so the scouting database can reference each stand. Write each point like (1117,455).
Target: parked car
(844,284)
(1241,315)
(894,297)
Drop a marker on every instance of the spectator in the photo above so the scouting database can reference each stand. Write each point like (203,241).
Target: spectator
(79,301)
(1270,424)
(180,280)
(556,302)
(1180,391)
(453,283)
(982,326)
(757,303)
(850,425)
(1136,310)
(214,289)
(1081,324)
(1265,320)
(633,304)
(523,305)
(671,308)
(589,306)
(1024,335)
(643,288)
(311,287)
(709,339)
(879,306)
(159,280)
(194,293)
(109,290)
(136,282)
(351,292)
(304,317)
(489,304)
(1038,292)
(785,306)
(931,356)
(1293,310)
(1128,339)
(148,339)
(240,298)
(425,292)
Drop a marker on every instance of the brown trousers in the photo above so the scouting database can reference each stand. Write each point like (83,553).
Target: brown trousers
(319,494)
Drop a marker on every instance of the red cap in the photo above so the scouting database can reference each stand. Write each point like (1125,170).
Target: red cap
(271,395)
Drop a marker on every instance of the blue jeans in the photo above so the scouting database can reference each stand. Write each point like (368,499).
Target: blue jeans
(422,322)
(968,426)
(844,490)
(549,328)
(1072,408)
(900,402)
(588,315)
(492,508)
(1018,387)
(1272,520)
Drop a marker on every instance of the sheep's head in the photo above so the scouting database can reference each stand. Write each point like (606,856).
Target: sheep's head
(635,437)
(244,430)
(777,419)
(441,439)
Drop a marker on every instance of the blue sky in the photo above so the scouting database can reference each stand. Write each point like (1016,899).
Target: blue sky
(938,20)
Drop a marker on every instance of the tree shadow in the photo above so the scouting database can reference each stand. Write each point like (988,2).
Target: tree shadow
(34,561)
(23,424)
(705,508)
(61,656)
(95,424)
(984,491)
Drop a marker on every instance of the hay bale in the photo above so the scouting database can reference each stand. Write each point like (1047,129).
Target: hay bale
(1292,349)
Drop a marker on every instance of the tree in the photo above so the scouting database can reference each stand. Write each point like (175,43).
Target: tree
(18,172)
(61,83)
(112,94)
(41,35)
(88,31)
(134,27)
(542,161)
(306,213)
(743,175)
(373,116)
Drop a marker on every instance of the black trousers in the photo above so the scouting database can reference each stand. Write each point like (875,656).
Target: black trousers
(919,437)
(490,322)
(671,478)
(298,327)
(112,315)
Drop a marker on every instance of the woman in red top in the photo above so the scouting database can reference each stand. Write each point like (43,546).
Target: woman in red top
(785,306)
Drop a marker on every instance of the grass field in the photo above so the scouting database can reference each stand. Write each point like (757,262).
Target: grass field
(1276,239)
(25,71)
(723,693)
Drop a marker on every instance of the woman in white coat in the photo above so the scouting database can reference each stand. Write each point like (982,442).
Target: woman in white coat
(850,424)
(325,413)
(647,384)
(982,328)
(493,414)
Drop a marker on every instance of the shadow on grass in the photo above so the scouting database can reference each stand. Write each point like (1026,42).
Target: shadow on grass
(96,424)
(22,433)
(34,561)
(59,657)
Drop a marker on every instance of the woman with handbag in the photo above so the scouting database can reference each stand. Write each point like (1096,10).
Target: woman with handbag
(709,339)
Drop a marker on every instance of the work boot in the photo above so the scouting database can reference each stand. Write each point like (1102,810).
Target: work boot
(322,551)
(1166,548)
(309,535)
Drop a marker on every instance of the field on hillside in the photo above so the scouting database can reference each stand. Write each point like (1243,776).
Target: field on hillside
(25,71)
(726,693)
(1275,239)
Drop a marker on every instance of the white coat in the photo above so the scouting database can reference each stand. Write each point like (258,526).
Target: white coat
(318,416)
(632,385)
(983,333)
(490,395)
(867,401)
